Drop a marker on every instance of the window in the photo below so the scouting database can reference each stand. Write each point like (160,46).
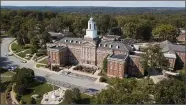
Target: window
(100,44)
(94,26)
(117,47)
(90,26)
(110,46)
(105,45)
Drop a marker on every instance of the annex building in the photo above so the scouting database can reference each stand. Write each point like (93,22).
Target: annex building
(122,55)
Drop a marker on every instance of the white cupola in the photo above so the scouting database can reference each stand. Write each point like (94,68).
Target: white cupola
(91,32)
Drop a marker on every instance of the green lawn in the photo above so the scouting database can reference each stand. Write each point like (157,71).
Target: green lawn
(8,73)
(39,65)
(37,88)
(44,61)
(23,54)
(5,81)
(17,48)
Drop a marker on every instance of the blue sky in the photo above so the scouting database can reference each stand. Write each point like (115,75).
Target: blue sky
(97,3)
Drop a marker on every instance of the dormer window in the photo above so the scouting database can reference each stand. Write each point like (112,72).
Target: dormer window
(105,45)
(66,40)
(79,42)
(100,44)
(76,41)
(110,46)
(117,47)
(71,41)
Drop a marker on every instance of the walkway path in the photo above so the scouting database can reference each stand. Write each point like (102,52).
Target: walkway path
(42,58)
(21,51)
(14,101)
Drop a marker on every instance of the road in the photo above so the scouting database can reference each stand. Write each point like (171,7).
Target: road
(12,60)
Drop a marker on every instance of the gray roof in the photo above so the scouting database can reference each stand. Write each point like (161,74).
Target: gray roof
(169,47)
(114,45)
(71,40)
(56,48)
(55,33)
(118,56)
(128,41)
(112,36)
(166,46)
(179,48)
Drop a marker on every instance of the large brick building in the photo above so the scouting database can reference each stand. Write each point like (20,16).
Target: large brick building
(120,53)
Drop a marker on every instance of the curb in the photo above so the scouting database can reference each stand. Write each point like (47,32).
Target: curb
(10,49)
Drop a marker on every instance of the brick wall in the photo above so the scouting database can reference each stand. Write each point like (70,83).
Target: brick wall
(182,56)
(116,68)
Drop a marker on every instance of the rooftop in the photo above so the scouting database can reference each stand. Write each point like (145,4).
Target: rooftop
(56,47)
(118,56)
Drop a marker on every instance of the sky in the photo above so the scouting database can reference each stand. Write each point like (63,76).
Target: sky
(97,3)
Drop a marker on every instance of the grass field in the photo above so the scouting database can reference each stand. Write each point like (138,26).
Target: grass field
(8,73)
(39,65)
(44,61)
(5,81)
(23,54)
(17,48)
(37,88)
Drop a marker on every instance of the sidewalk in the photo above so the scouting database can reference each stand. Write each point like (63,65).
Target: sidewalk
(10,49)
(14,101)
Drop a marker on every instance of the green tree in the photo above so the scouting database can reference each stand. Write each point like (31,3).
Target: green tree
(144,30)
(72,96)
(45,37)
(122,91)
(165,32)
(68,97)
(170,91)
(130,30)
(23,78)
(35,44)
(153,58)
(105,64)
(32,101)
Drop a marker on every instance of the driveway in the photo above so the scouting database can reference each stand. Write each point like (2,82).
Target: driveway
(12,60)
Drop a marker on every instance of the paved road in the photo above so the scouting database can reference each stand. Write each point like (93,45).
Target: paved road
(12,60)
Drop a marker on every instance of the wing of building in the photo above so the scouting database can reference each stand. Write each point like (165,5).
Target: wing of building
(93,50)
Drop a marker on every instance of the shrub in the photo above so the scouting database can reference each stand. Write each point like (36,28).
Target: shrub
(18,97)
(32,101)
(102,79)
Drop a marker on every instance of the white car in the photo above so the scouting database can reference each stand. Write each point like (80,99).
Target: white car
(24,61)
(9,54)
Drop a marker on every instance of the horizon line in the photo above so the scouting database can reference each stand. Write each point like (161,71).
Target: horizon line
(83,6)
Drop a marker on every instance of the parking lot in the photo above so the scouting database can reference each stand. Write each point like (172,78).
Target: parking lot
(79,76)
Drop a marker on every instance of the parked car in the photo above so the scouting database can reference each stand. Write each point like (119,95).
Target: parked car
(24,61)
(11,68)
(9,54)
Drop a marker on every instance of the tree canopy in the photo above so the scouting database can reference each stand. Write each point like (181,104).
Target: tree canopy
(153,58)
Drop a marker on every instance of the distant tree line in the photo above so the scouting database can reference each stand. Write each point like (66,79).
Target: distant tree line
(29,25)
